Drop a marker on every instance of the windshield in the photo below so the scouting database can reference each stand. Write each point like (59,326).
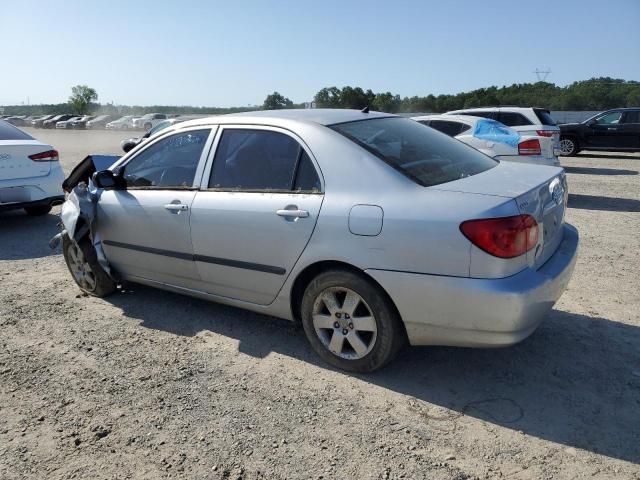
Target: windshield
(423,154)
(160,126)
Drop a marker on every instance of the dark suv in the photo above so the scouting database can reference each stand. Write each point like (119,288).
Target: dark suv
(614,130)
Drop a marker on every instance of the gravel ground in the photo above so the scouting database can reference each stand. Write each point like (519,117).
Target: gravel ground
(148,384)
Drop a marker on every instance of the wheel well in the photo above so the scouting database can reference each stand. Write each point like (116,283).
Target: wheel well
(310,272)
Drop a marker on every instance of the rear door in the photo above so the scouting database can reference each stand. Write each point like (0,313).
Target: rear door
(145,228)
(630,129)
(255,213)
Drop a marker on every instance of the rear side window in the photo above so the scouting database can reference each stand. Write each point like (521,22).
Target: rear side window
(545,117)
(9,132)
(632,117)
(450,128)
(512,119)
(249,159)
(422,154)
(479,113)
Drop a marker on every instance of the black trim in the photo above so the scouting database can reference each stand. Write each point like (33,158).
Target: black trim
(45,202)
(199,258)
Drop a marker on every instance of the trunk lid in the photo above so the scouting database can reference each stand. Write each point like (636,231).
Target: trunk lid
(15,162)
(540,191)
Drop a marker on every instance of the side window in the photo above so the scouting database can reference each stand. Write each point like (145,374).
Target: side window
(464,128)
(450,128)
(483,114)
(632,116)
(307,179)
(260,160)
(609,118)
(512,119)
(168,163)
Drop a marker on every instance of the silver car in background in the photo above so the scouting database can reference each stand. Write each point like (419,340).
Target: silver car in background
(370,229)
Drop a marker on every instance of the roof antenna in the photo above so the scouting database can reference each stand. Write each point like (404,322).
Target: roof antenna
(365,109)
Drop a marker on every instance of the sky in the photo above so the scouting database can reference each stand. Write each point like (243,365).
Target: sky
(233,53)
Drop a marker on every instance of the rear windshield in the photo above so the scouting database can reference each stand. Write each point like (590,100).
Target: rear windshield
(423,154)
(544,117)
(9,132)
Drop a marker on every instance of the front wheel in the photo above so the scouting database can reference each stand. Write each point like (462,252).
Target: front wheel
(83,264)
(568,146)
(350,322)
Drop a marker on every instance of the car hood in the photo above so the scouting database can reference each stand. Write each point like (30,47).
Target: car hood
(507,179)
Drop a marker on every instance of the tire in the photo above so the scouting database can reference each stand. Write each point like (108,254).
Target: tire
(38,211)
(568,146)
(83,264)
(344,312)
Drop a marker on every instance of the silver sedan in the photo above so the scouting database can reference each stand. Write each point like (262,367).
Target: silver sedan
(370,229)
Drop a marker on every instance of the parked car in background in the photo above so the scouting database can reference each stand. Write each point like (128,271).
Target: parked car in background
(37,122)
(100,121)
(123,123)
(129,143)
(51,123)
(264,211)
(525,120)
(148,121)
(16,120)
(494,138)
(81,124)
(30,173)
(615,130)
(67,124)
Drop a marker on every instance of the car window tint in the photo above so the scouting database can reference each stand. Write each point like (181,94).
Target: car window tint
(545,117)
(512,119)
(463,128)
(632,117)
(254,160)
(423,154)
(450,128)
(609,118)
(307,179)
(9,132)
(168,163)
(479,113)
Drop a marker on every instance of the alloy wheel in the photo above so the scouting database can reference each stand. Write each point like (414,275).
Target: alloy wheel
(81,270)
(344,323)
(567,146)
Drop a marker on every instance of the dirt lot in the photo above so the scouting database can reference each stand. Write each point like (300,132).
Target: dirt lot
(147,384)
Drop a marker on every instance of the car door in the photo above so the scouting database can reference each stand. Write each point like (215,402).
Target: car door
(145,227)
(604,131)
(255,213)
(630,130)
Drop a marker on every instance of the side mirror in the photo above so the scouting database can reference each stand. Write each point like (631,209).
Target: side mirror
(108,180)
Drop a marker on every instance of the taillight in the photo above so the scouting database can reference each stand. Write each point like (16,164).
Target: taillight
(48,156)
(529,147)
(505,237)
(545,133)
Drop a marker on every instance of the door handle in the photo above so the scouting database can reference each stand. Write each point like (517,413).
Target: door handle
(176,207)
(612,128)
(292,213)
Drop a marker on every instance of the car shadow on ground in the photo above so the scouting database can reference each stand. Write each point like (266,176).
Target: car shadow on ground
(594,202)
(606,155)
(23,236)
(599,171)
(575,381)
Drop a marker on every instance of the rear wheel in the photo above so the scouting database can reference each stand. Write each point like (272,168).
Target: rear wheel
(37,211)
(83,264)
(350,322)
(568,146)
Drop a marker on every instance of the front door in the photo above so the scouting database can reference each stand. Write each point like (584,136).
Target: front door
(145,228)
(630,129)
(253,218)
(604,131)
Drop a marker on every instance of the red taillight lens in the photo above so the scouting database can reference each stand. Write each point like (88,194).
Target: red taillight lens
(545,133)
(48,156)
(529,147)
(506,237)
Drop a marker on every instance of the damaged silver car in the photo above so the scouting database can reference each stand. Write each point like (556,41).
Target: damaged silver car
(370,229)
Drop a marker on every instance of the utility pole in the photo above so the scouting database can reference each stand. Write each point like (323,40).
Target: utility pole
(542,74)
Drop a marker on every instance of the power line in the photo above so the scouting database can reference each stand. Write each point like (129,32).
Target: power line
(542,74)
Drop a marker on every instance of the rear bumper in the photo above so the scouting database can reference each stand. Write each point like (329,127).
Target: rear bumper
(34,191)
(44,202)
(533,159)
(455,311)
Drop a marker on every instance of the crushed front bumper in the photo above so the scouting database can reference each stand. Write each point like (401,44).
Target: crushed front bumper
(471,312)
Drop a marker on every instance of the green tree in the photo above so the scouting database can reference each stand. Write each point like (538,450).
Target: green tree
(276,101)
(386,102)
(81,98)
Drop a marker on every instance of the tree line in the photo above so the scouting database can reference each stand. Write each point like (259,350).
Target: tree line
(594,94)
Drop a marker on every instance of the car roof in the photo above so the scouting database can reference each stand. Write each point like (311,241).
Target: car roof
(450,117)
(321,116)
(497,109)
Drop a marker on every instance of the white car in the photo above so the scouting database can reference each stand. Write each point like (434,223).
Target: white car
(494,139)
(30,173)
(67,123)
(525,120)
(148,121)
(123,123)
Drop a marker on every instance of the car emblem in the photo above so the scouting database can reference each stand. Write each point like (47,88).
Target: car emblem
(556,190)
